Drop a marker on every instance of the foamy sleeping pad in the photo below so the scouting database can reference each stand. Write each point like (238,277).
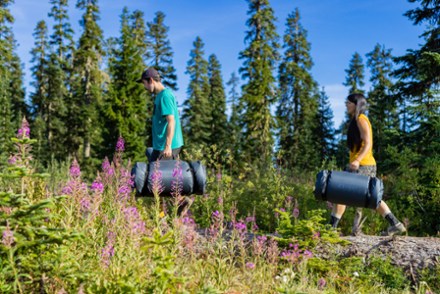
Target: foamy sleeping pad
(192,179)
(349,189)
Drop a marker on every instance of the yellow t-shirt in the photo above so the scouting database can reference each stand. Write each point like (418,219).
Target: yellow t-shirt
(368,158)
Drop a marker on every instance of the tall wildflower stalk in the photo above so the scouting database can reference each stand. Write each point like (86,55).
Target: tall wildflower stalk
(157,188)
(176,189)
(27,227)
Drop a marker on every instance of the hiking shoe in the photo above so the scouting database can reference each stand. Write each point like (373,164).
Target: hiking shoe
(397,229)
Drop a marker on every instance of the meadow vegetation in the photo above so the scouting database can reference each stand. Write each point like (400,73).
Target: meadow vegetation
(253,232)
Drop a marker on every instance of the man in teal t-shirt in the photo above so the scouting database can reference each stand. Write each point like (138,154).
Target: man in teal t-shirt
(167,130)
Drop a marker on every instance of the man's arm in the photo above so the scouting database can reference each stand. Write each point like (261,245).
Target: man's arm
(170,134)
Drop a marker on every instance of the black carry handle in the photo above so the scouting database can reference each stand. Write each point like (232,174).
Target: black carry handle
(173,157)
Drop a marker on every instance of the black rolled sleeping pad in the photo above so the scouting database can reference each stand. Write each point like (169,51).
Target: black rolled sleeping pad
(347,188)
(192,181)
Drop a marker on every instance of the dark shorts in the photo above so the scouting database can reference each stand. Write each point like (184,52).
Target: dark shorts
(366,170)
(158,155)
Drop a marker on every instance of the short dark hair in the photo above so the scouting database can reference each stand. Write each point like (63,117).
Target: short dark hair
(150,73)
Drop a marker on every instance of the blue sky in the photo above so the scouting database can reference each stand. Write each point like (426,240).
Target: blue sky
(336,29)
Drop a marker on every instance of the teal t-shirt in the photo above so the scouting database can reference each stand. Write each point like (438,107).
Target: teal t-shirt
(165,104)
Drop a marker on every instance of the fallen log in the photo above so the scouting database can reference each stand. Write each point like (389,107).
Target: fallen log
(412,254)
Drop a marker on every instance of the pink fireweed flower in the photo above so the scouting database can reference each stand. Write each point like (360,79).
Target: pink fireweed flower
(259,245)
(8,237)
(134,221)
(250,265)
(124,191)
(321,283)
(250,219)
(177,171)
(107,253)
(262,239)
(97,186)
(188,232)
(12,160)
(24,131)
(107,168)
(219,176)
(125,184)
(295,212)
(120,145)
(273,251)
(220,200)
(217,220)
(295,247)
(240,227)
(108,172)
(233,214)
(289,200)
(307,254)
(177,184)
(75,171)
(85,204)
(75,187)
(156,179)
(67,190)
(189,221)
(216,214)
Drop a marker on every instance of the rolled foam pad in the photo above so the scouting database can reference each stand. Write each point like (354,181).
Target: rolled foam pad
(166,168)
(349,189)
(149,153)
(140,172)
(199,171)
(191,181)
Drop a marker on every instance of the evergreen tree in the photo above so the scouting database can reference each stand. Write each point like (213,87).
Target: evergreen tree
(325,129)
(6,127)
(40,84)
(234,138)
(62,37)
(217,99)
(196,116)
(418,84)
(16,91)
(298,106)
(83,122)
(382,104)
(125,112)
(10,103)
(355,74)
(259,60)
(419,75)
(59,74)
(160,52)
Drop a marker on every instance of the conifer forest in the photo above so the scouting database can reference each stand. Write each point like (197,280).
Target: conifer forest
(71,220)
